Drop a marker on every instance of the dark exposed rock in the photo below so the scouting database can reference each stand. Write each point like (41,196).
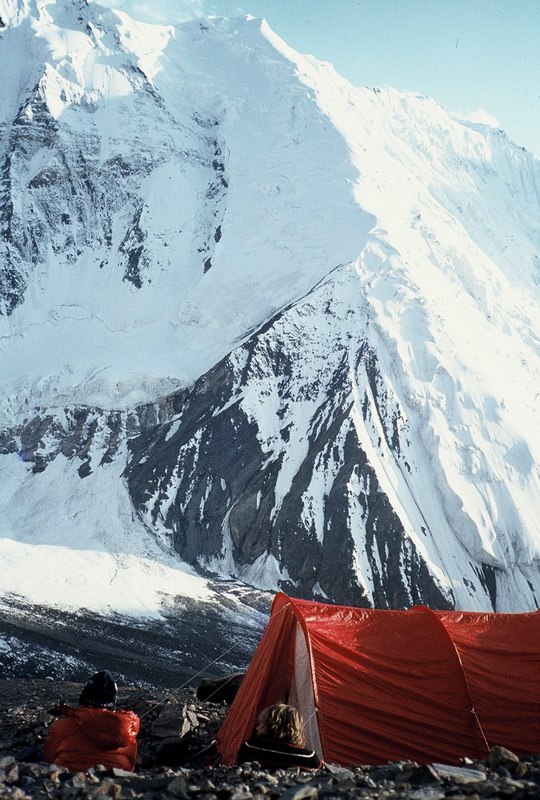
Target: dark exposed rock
(79,201)
(132,246)
(220,690)
(198,470)
(217,469)
(418,775)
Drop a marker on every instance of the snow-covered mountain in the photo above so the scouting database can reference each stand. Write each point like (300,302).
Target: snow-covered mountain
(257,323)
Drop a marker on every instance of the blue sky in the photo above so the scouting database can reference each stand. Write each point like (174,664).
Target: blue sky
(470,55)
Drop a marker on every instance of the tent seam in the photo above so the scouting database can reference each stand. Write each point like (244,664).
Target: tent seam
(429,611)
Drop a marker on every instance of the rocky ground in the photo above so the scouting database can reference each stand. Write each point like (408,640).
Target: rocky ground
(175,759)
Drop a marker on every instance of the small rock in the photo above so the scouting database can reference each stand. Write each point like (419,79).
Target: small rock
(502,772)
(510,785)
(426,793)
(299,792)
(193,719)
(388,772)
(148,783)
(501,757)
(339,773)
(108,788)
(170,722)
(178,787)
(417,775)
(219,690)
(115,772)
(54,773)
(241,792)
(16,793)
(9,771)
(45,718)
(186,727)
(459,774)
(78,781)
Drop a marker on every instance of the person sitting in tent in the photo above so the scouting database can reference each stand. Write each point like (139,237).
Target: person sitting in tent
(94,733)
(279,740)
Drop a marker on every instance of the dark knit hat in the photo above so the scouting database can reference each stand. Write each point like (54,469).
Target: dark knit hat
(99,691)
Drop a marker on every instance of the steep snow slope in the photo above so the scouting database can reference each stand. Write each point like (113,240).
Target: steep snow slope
(340,285)
(163,195)
(302,459)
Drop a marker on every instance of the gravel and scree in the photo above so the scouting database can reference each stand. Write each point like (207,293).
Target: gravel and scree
(176,759)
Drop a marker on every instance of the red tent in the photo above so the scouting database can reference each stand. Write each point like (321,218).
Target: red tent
(377,685)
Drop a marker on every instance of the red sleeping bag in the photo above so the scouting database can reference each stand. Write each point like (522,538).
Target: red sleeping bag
(84,737)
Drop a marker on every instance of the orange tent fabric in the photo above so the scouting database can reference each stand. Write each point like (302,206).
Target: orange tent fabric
(378,685)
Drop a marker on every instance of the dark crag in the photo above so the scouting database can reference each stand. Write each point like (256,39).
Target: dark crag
(176,717)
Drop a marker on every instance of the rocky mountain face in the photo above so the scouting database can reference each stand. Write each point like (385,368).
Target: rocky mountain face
(282,329)
(288,496)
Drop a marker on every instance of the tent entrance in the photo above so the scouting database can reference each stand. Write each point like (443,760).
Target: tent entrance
(301,694)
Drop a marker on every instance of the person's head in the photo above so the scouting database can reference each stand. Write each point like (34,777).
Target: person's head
(282,722)
(99,691)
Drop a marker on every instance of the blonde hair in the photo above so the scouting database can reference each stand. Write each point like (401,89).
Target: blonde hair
(282,722)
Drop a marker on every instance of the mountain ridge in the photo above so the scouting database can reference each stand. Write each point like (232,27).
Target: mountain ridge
(261,323)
